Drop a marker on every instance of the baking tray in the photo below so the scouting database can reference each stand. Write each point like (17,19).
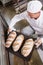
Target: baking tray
(18,53)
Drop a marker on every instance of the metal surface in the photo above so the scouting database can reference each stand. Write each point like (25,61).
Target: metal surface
(3,53)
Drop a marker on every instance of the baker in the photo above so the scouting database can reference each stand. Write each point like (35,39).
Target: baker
(34,16)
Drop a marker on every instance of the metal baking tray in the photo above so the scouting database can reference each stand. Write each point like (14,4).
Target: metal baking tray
(18,53)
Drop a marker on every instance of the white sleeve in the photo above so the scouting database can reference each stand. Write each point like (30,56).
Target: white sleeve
(15,19)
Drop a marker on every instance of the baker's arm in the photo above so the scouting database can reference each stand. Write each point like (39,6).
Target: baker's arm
(14,20)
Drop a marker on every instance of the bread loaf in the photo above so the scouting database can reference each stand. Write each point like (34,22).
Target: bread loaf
(18,42)
(27,48)
(10,39)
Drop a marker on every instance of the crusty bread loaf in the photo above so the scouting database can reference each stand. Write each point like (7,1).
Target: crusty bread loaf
(18,42)
(27,48)
(10,39)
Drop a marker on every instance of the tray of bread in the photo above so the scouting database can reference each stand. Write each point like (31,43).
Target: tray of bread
(20,45)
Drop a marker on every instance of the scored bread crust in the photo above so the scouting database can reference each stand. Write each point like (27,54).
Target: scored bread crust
(27,48)
(18,42)
(10,39)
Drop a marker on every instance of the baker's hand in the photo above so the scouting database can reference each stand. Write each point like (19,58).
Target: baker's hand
(9,30)
(38,42)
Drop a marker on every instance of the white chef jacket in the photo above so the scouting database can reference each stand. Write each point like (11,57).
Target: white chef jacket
(36,24)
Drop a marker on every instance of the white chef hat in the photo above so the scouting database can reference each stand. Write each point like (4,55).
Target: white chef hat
(34,6)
